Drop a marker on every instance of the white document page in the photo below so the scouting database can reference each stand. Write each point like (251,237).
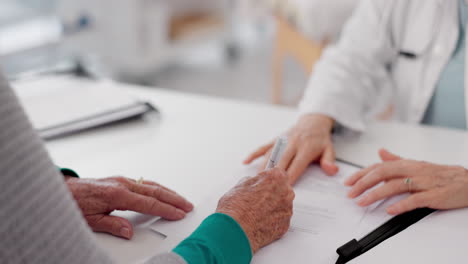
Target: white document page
(324,219)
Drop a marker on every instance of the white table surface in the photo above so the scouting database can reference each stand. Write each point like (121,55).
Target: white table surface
(196,136)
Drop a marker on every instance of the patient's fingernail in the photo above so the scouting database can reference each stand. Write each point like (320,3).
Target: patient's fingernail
(189,206)
(180,213)
(125,232)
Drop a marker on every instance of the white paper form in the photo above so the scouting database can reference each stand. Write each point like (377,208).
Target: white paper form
(324,219)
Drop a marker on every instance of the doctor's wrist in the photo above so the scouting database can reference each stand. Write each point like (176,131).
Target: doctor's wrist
(319,121)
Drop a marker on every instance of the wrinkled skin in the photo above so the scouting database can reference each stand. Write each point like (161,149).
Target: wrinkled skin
(262,205)
(434,186)
(308,141)
(98,198)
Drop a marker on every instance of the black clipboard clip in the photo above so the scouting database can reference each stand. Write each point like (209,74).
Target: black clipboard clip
(355,248)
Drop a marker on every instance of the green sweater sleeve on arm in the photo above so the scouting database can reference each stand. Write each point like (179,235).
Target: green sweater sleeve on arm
(218,240)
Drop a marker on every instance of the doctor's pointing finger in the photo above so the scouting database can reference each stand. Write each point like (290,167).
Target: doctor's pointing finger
(308,141)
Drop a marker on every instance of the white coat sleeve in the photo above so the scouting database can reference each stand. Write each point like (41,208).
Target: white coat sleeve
(351,81)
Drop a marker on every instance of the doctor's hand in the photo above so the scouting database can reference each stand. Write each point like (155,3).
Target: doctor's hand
(98,198)
(308,141)
(430,185)
(262,206)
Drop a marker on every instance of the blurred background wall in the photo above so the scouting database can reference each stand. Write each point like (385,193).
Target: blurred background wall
(257,50)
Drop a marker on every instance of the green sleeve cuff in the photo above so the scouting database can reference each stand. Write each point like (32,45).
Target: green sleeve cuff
(68,172)
(219,239)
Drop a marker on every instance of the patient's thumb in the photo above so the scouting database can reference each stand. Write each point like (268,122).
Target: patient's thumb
(114,225)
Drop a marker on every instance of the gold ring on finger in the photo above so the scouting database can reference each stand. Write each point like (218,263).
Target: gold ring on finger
(140,181)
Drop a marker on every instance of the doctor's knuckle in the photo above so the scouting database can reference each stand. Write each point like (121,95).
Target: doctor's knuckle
(360,186)
(374,166)
(276,174)
(418,165)
(371,196)
(379,172)
(420,201)
(293,140)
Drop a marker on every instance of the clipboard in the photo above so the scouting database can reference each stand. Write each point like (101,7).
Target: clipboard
(64,106)
(110,117)
(355,248)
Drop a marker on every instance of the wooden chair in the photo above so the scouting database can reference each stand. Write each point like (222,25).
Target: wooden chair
(290,42)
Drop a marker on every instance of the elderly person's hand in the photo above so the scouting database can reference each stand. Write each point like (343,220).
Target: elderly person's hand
(430,185)
(308,141)
(98,198)
(262,206)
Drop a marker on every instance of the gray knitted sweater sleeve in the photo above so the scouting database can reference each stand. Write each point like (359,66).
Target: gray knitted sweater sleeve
(40,222)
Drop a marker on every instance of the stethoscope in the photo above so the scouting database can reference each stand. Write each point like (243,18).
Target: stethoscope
(397,49)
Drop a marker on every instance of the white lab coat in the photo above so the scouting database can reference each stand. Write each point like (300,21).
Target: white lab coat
(362,74)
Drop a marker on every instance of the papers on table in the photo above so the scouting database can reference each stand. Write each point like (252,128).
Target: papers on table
(60,108)
(324,219)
